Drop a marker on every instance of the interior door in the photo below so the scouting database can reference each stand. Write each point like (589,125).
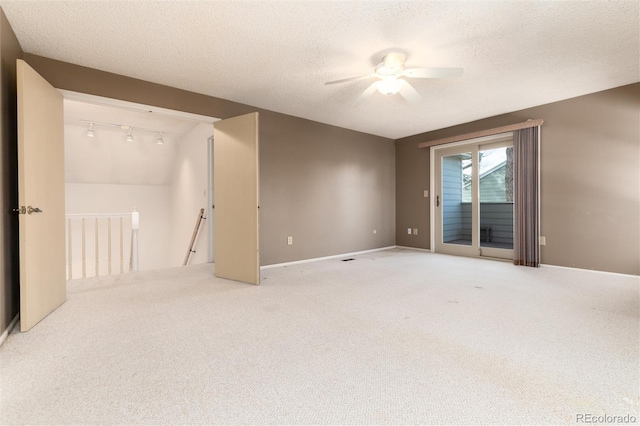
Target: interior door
(41,197)
(236,197)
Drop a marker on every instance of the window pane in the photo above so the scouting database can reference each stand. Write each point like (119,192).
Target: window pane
(496,198)
(456,210)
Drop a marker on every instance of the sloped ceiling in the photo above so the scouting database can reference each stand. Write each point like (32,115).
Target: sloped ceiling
(278,54)
(108,158)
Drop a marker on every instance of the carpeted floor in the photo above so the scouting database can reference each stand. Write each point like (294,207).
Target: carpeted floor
(393,337)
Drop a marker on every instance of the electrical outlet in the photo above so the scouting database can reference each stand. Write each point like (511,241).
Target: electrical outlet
(409,231)
(543,241)
(415,231)
(289,240)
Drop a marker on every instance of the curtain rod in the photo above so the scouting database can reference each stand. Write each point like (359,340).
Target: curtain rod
(481,133)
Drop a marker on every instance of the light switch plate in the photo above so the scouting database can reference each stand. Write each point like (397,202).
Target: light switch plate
(426,193)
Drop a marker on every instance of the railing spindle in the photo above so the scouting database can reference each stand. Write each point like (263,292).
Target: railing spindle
(121,248)
(109,246)
(135,225)
(69,250)
(84,252)
(97,251)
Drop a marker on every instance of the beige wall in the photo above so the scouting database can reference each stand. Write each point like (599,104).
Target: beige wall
(9,274)
(590,179)
(325,186)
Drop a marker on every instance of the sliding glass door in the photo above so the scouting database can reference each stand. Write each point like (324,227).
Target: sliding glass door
(474,198)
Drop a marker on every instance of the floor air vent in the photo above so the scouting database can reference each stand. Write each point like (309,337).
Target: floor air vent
(347,260)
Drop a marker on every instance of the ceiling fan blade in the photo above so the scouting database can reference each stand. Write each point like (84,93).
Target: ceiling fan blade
(433,72)
(408,92)
(344,80)
(367,93)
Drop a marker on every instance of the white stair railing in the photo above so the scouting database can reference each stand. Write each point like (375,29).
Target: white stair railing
(100,255)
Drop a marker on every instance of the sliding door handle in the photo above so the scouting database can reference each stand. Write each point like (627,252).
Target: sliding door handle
(437,201)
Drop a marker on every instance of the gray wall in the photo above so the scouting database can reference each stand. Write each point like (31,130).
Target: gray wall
(590,179)
(325,186)
(9,274)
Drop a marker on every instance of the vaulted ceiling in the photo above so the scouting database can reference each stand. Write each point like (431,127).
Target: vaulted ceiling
(278,54)
(108,157)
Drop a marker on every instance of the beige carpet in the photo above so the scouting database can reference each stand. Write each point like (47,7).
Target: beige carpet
(394,337)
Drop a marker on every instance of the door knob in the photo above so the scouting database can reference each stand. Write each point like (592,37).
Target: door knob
(33,210)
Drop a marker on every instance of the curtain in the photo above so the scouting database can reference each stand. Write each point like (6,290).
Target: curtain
(526,248)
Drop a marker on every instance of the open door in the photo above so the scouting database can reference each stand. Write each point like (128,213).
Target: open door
(41,197)
(236,192)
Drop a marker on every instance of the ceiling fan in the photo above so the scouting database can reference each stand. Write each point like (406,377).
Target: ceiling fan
(389,73)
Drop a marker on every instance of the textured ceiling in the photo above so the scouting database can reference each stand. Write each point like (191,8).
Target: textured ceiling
(278,54)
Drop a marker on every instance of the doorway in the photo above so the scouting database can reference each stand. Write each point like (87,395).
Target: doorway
(473,203)
(41,179)
(162,172)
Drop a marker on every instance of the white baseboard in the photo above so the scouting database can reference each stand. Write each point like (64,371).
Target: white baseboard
(415,248)
(317,259)
(544,265)
(5,333)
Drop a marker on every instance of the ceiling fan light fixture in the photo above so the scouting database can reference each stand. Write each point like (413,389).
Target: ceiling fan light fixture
(391,73)
(389,86)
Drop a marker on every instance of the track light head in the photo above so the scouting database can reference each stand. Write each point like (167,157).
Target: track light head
(129,136)
(160,141)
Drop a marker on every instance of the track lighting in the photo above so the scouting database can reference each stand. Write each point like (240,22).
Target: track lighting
(90,132)
(128,129)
